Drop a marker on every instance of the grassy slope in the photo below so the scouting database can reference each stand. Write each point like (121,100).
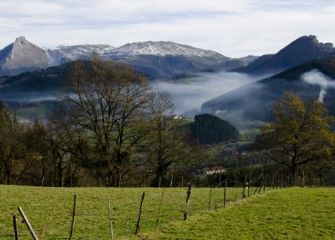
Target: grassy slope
(280,214)
(51,208)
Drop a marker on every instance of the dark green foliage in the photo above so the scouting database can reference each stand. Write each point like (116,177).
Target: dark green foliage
(209,129)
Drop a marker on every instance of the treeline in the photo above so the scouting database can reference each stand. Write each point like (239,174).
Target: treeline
(210,129)
(112,130)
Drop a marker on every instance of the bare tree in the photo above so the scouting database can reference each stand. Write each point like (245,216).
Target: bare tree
(106,107)
(167,143)
(10,135)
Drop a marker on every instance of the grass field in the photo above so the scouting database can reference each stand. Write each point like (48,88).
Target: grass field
(295,213)
(50,209)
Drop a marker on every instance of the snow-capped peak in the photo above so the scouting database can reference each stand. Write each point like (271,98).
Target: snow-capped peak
(70,53)
(161,48)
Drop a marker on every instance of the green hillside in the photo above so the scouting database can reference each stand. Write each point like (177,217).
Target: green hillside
(294,213)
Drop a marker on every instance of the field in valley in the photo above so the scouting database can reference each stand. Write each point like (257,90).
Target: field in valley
(292,213)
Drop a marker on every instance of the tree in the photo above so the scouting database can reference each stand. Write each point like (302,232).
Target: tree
(166,141)
(10,144)
(107,108)
(300,134)
(209,129)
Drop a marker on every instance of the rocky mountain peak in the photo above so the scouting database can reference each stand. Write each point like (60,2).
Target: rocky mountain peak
(20,40)
(22,55)
(308,45)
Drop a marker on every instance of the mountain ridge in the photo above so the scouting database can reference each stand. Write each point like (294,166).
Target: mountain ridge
(254,101)
(297,52)
(148,57)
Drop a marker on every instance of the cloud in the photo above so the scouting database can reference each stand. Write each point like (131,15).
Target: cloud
(232,27)
(315,77)
(191,93)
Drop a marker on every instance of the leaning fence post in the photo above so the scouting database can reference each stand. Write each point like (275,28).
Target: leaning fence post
(25,219)
(159,208)
(139,215)
(188,195)
(73,215)
(15,228)
(225,193)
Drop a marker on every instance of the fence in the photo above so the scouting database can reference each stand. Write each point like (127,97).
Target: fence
(110,213)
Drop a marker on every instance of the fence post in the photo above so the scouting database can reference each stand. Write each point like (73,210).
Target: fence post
(31,230)
(139,215)
(15,228)
(250,185)
(235,187)
(110,218)
(210,199)
(225,192)
(159,209)
(73,215)
(188,195)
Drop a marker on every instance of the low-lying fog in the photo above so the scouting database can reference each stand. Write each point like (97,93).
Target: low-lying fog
(190,93)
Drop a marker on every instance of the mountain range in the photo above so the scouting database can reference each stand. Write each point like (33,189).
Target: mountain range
(154,59)
(31,74)
(313,80)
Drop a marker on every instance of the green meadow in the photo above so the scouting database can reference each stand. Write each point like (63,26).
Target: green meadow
(291,213)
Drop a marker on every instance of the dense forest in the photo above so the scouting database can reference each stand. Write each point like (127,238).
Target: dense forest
(209,129)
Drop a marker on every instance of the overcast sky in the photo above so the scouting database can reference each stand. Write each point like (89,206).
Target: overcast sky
(232,27)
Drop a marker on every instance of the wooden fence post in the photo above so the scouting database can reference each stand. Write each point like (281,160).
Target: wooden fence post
(25,219)
(225,193)
(110,218)
(16,236)
(188,195)
(159,209)
(137,230)
(210,199)
(73,215)
(250,185)
(235,187)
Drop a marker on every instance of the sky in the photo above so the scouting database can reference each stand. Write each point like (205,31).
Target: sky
(234,28)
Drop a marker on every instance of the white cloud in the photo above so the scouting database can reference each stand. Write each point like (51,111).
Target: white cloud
(232,27)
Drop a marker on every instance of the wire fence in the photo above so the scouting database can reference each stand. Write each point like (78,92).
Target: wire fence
(111,213)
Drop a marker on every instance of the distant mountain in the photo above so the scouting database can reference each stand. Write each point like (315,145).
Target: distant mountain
(168,59)
(254,101)
(299,51)
(235,63)
(35,85)
(21,56)
(63,54)
(154,59)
